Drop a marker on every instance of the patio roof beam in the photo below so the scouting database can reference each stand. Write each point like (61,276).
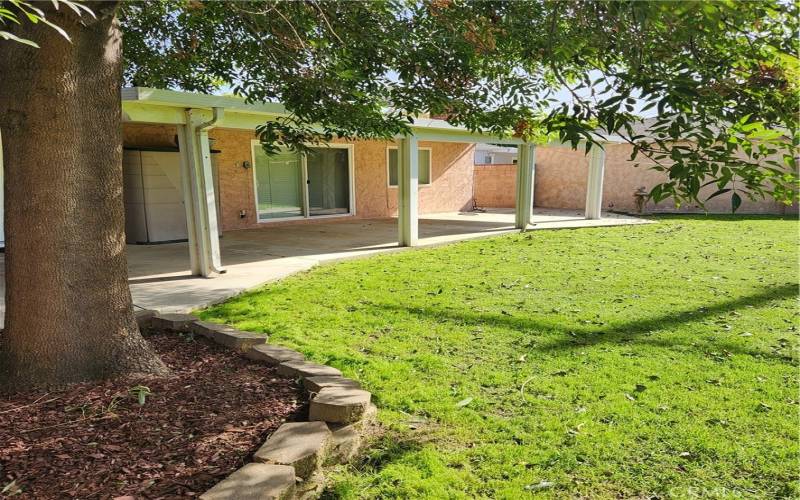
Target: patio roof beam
(526,167)
(594,183)
(148,105)
(407,191)
(433,134)
(134,112)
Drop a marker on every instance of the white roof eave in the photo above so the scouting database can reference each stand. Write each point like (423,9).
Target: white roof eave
(149,105)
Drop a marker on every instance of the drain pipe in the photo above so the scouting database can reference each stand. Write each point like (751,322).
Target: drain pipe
(217,114)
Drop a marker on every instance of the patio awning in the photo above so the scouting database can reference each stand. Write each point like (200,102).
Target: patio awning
(194,114)
(148,105)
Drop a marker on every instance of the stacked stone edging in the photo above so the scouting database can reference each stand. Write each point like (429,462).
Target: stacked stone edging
(289,464)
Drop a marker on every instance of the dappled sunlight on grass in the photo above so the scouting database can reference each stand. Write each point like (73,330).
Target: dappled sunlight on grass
(624,361)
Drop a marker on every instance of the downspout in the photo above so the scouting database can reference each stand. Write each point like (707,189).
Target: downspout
(215,117)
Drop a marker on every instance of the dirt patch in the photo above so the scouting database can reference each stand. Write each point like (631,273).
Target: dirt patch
(94,440)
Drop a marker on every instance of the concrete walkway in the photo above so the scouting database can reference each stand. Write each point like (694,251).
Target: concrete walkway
(159,274)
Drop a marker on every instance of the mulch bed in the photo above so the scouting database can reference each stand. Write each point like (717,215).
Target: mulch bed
(94,440)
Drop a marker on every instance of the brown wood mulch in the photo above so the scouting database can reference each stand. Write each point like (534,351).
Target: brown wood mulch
(94,440)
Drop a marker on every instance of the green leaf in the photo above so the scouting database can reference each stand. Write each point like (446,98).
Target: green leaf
(5,35)
(736,202)
(719,192)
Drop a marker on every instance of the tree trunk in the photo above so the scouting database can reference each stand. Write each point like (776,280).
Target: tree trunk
(69,312)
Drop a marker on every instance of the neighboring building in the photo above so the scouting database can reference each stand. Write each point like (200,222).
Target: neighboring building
(490,154)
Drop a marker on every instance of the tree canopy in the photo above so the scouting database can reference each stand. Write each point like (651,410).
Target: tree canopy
(722,76)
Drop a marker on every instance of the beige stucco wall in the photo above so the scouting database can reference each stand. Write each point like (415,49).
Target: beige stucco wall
(450,188)
(560,182)
(623,179)
(495,185)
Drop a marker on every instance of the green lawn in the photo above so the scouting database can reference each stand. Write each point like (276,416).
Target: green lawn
(610,362)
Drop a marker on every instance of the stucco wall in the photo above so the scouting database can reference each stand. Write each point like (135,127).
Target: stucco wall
(450,188)
(495,185)
(622,179)
(560,182)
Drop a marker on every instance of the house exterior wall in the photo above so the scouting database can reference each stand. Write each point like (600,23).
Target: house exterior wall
(624,179)
(450,189)
(560,182)
(495,186)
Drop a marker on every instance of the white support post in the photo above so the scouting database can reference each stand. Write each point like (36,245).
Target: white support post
(198,185)
(594,183)
(526,168)
(210,224)
(407,192)
(186,144)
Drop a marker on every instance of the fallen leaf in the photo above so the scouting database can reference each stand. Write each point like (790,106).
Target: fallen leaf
(464,402)
(540,486)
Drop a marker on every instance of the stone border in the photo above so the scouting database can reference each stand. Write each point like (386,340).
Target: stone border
(289,464)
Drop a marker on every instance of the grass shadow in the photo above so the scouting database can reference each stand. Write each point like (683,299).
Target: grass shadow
(576,337)
(721,217)
(388,448)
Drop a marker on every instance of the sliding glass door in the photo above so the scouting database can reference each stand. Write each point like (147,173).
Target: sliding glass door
(290,185)
(328,181)
(278,193)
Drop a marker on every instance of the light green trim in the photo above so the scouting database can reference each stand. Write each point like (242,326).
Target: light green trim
(160,97)
(148,105)
(433,132)
(135,112)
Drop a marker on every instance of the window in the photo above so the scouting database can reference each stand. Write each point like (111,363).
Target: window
(487,160)
(424,166)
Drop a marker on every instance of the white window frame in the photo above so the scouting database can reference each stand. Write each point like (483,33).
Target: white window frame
(430,167)
(304,183)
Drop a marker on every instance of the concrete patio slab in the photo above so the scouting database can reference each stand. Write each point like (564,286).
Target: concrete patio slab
(160,277)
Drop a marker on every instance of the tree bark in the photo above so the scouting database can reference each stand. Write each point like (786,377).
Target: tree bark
(69,313)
